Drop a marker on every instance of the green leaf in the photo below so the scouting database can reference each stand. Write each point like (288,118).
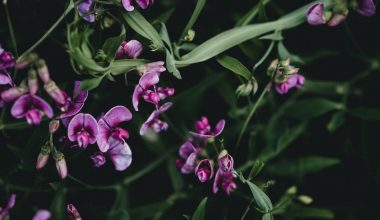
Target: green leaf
(175,176)
(285,54)
(261,199)
(148,211)
(311,108)
(58,205)
(120,215)
(169,52)
(194,17)
(199,213)
(336,121)
(365,113)
(235,66)
(89,84)
(310,212)
(86,62)
(301,166)
(256,169)
(125,65)
(238,35)
(111,45)
(267,216)
(138,23)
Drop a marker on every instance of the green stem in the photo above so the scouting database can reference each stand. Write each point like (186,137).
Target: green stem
(253,110)
(51,29)
(10,27)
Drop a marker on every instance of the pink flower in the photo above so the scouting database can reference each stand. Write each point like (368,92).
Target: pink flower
(119,153)
(203,129)
(5,78)
(108,126)
(60,164)
(295,80)
(154,122)
(83,129)
(141,90)
(55,92)
(32,108)
(130,50)
(42,215)
(5,212)
(73,105)
(127,4)
(72,212)
(225,174)
(188,156)
(204,170)
(6,59)
(14,92)
(315,14)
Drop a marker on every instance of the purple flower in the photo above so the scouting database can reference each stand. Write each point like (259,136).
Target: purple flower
(98,158)
(127,4)
(85,10)
(225,174)
(108,126)
(366,7)
(154,122)
(131,49)
(73,105)
(203,129)
(141,90)
(205,170)
(315,14)
(6,59)
(119,153)
(295,80)
(5,212)
(154,67)
(83,129)
(32,108)
(14,92)
(42,215)
(72,212)
(188,155)
(5,78)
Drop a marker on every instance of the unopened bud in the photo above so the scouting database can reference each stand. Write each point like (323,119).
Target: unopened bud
(13,93)
(60,164)
(32,82)
(55,93)
(305,199)
(190,35)
(43,157)
(43,71)
(73,213)
(53,126)
(26,61)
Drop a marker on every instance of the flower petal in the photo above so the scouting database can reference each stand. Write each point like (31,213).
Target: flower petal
(186,149)
(127,4)
(83,121)
(366,8)
(120,154)
(143,3)
(42,215)
(5,78)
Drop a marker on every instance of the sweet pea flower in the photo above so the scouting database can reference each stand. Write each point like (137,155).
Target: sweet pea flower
(42,215)
(154,122)
(32,108)
(141,90)
(366,8)
(225,174)
(315,14)
(98,158)
(203,129)
(6,59)
(295,80)
(204,170)
(188,155)
(5,212)
(130,50)
(72,212)
(5,78)
(108,126)
(127,4)
(85,10)
(83,129)
(154,67)
(73,104)
(55,92)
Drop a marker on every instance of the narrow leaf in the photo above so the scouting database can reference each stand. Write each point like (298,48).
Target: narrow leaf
(235,66)
(261,199)
(199,213)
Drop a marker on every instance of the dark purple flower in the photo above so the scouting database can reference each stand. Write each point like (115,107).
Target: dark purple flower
(73,105)
(130,50)
(85,10)
(188,156)
(72,212)
(5,212)
(127,4)
(83,129)
(365,7)
(32,108)
(108,126)
(225,174)
(315,14)
(203,129)
(5,78)
(98,158)
(154,122)
(205,170)
(6,59)
(42,215)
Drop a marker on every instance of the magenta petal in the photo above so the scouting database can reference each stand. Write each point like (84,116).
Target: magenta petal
(137,94)
(189,165)
(143,3)
(42,215)
(186,149)
(149,79)
(26,102)
(78,94)
(5,78)
(108,122)
(133,49)
(315,14)
(83,123)
(153,117)
(219,127)
(366,8)
(336,20)
(120,154)
(217,180)
(127,4)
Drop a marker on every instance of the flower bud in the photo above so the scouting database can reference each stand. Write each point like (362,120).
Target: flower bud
(226,162)
(13,93)
(73,213)
(43,157)
(32,82)
(60,164)
(26,61)
(53,126)
(55,93)
(315,14)
(43,71)
(98,158)
(190,35)
(205,170)
(336,20)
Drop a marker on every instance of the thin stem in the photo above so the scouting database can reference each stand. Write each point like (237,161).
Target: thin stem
(51,29)
(246,210)
(266,54)
(88,186)
(10,27)
(253,110)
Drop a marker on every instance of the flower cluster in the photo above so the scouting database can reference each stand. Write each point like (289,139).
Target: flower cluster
(285,76)
(317,15)
(194,159)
